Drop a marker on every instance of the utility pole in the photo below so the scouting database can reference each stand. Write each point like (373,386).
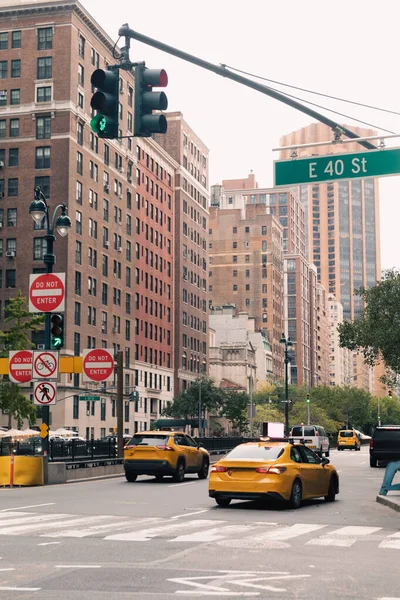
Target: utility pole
(308,410)
(120,403)
(251,401)
(200,419)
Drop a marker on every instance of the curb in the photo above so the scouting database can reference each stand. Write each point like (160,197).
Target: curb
(390,502)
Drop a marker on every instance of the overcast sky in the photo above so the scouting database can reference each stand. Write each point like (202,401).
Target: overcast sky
(345,48)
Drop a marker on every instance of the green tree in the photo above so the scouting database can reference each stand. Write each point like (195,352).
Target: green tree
(234,408)
(186,405)
(16,336)
(376,332)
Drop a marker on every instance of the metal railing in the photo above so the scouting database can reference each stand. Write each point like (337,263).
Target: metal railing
(60,450)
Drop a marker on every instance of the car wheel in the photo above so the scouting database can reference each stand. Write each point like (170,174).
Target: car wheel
(179,474)
(203,473)
(330,497)
(372,462)
(327,454)
(295,496)
(224,502)
(131,477)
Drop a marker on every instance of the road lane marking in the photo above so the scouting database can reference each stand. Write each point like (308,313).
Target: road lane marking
(18,589)
(64,522)
(184,483)
(211,535)
(80,533)
(48,543)
(287,533)
(354,530)
(331,542)
(24,521)
(144,535)
(77,567)
(29,506)
(343,537)
(9,569)
(190,514)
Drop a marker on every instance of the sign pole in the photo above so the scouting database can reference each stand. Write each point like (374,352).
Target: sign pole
(120,403)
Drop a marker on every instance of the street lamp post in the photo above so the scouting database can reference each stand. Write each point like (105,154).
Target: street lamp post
(287,345)
(200,420)
(39,209)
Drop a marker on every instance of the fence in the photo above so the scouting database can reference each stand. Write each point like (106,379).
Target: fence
(60,450)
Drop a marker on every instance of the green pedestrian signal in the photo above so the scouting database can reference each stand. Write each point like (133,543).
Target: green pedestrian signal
(57,331)
(106,102)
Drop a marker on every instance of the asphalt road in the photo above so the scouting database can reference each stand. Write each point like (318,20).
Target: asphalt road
(149,540)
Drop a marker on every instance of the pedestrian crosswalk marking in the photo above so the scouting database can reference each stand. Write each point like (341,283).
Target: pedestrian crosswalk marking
(252,535)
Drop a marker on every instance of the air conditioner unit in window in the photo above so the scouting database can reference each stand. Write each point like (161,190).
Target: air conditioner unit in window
(129,179)
(119,222)
(120,196)
(1,164)
(103,329)
(121,169)
(10,254)
(122,90)
(114,330)
(106,187)
(1,225)
(106,244)
(40,346)
(119,249)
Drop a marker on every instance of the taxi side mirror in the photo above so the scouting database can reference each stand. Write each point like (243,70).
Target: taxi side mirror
(325,461)
(199,445)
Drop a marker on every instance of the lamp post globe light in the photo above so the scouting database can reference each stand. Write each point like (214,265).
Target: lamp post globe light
(287,346)
(39,209)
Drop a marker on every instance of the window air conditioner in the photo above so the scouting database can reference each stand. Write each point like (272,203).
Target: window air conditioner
(103,329)
(129,179)
(40,346)
(106,244)
(119,249)
(1,164)
(106,187)
(10,254)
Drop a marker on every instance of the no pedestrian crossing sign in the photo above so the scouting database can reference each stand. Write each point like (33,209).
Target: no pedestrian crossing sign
(98,364)
(44,393)
(47,292)
(20,366)
(358,165)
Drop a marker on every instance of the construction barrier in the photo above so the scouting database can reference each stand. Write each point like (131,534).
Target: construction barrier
(21,470)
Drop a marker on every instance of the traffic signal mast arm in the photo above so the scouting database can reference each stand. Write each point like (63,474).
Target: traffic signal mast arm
(128,33)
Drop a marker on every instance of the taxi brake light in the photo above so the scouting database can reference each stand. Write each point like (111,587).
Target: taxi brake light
(218,469)
(275,470)
(165,448)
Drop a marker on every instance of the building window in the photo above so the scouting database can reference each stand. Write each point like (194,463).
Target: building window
(2,128)
(16,68)
(10,278)
(3,69)
(13,187)
(81,99)
(44,184)
(104,294)
(78,252)
(82,46)
(79,134)
(15,97)
(43,128)
(43,94)
(79,163)
(78,283)
(16,39)
(3,98)
(42,158)
(4,40)
(45,67)
(78,222)
(45,38)
(81,75)
(11,217)
(13,157)
(264,230)
(14,127)
(78,192)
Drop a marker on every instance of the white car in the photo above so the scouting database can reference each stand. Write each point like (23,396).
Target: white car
(313,436)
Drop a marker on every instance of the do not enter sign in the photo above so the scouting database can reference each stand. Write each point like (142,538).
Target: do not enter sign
(20,366)
(47,292)
(98,364)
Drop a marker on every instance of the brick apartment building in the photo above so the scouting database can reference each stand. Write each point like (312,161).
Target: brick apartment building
(191,215)
(122,225)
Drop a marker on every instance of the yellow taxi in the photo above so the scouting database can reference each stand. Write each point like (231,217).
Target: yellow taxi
(162,453)
(348,438)
(274,469)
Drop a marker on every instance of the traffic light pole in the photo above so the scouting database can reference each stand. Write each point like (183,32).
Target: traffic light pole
(120,403)
(222,70)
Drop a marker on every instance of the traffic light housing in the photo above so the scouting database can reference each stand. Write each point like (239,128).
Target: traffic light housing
(308,399)
(106,102)
(146,101)
(44,430)
(57,331)
(390,394)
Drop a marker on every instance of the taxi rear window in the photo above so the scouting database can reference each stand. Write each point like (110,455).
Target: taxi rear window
(346,433)
(148,440)
(255,453)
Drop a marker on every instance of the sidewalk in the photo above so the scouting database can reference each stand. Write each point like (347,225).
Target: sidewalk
(390,501)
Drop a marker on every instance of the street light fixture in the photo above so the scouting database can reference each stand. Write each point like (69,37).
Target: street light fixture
(39,209)
(287,345)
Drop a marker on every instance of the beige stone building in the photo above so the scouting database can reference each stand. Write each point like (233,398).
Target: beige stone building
(323,331)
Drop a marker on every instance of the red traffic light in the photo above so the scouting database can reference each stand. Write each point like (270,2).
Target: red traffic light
(155,77)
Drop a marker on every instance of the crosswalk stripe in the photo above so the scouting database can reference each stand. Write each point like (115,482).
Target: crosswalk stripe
(42,518)
(211,535)
(43,525)
(325,541)
(287,533)
(145,535)
(81,533)
(8,515)
(390,543)
(355,530)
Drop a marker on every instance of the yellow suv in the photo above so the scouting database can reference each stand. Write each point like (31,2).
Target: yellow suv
(162,453)
(348,438)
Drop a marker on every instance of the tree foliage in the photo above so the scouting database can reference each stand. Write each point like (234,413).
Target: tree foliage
(376,332)
(17,336)
(234,408)
(186,405)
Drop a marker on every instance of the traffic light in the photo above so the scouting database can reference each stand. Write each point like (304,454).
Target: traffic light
(106,102)
(390,394)
(44,430)
(57,331)
(308,399)
(145,123)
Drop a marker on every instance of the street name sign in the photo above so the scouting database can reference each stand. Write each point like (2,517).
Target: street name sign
(98,364)
(47,292)
(44,365)
(20,366)
(44,393)
(359,165)
(90,398)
